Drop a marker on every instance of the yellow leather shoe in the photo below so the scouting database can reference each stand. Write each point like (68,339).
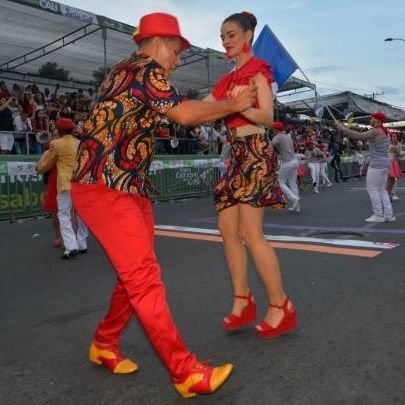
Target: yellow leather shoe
(202,379)
(111,357)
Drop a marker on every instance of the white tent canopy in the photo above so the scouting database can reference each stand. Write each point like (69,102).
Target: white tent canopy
(338,103)
(81,42)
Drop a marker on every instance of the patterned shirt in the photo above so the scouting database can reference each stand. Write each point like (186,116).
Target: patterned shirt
(117,146)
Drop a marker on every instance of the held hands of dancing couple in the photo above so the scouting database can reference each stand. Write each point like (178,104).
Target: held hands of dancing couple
(243,97)
(192,112)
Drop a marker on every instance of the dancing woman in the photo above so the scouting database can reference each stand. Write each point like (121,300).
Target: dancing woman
(249,185)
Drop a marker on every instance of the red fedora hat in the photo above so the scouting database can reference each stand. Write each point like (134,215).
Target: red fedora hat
(158,25)
(278,125)
(380,116)
(65,124)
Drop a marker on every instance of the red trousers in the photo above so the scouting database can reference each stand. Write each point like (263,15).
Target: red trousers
(123,225)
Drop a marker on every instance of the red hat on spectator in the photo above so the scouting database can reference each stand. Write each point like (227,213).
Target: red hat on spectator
(279,126)
(380,116)
(158,25)
(65,124)
(4,94)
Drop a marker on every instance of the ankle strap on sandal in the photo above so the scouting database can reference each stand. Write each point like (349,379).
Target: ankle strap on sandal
(284,307)
(245,297)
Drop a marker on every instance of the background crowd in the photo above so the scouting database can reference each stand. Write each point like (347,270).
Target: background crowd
(28,118)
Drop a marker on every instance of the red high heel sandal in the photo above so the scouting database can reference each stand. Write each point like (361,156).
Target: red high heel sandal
(248,314)
(287,324)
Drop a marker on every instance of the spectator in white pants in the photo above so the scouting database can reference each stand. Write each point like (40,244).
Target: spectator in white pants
(62,153)
(323,165)
(74,241)
(323,176)
(287,176)
(379,163)
(314,157)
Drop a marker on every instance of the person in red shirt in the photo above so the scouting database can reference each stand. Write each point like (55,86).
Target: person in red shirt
(249,185)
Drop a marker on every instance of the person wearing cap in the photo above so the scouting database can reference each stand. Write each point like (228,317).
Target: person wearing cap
(111,193)
(249,185)
(287,175)
(62,154)
(323,165)
(379,163)
(314,156)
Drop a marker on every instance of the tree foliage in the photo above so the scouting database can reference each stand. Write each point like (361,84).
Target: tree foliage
(51,70)
(99,75)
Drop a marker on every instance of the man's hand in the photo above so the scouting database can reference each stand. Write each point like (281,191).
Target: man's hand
(245,98)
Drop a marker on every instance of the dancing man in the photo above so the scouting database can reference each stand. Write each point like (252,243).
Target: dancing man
(379,163)
(111,193)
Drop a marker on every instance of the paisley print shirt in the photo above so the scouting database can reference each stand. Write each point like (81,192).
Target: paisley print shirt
(117,145)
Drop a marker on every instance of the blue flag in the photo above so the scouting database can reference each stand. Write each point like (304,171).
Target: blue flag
(268,47)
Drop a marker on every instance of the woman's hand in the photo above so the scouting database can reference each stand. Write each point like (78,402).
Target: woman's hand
(235,91)
(244,97)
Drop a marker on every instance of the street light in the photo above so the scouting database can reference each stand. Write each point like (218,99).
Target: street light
(394,39)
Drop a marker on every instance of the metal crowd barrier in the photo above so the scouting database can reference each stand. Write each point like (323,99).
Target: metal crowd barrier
(193,176)
(26,136)
(174,177)
(21,188)
(163,145)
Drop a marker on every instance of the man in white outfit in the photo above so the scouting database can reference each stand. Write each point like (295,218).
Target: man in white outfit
(287,176)
(62,153)
(378,167)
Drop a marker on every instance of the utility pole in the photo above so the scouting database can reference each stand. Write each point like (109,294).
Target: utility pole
(374,94)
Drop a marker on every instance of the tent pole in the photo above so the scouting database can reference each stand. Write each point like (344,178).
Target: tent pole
(104,36)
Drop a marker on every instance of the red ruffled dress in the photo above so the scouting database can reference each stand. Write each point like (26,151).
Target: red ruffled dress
(251,176)
(51,190)
(50,204)
(395,169)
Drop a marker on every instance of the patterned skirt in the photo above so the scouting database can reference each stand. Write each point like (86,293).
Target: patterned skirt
(251,177)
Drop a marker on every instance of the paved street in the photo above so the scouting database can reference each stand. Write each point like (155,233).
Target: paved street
(348,288)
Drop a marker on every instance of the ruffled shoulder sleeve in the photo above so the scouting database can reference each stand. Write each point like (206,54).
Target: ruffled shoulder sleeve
(242,76)
(257,65)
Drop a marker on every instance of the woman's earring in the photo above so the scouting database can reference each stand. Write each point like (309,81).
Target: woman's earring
(246,47)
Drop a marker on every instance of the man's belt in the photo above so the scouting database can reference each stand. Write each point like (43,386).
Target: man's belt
(246,130)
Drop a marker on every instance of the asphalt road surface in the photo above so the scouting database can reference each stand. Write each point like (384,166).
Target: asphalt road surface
(348,285)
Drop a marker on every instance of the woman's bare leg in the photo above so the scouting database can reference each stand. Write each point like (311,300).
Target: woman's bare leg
(58,242)
(235,254)
(266,261)
(390,186)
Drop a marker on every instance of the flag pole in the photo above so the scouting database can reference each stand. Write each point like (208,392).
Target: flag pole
(317,96)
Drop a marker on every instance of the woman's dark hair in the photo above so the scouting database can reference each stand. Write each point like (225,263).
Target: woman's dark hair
(247,21)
